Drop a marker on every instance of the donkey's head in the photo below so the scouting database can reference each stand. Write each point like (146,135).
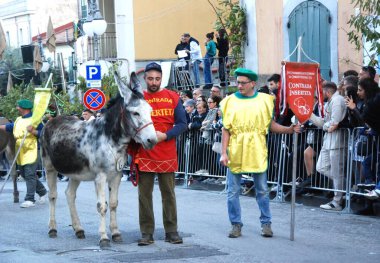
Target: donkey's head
(136,112)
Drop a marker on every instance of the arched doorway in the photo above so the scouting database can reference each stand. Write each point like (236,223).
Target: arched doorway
(312,21)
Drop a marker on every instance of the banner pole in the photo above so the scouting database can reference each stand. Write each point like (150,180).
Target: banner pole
(294,168)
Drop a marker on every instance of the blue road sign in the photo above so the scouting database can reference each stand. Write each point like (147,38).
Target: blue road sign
(93,76)
(93,72)
(94,99)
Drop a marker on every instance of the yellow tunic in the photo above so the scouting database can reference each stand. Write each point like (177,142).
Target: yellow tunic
(247,119)
(28,153)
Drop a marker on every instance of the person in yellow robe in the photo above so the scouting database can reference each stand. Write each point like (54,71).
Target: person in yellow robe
(27,159)
(247,117)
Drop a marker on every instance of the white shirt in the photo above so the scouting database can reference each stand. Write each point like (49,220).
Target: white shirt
(195,51)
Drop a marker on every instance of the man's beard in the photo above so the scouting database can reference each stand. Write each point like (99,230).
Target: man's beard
(153,88)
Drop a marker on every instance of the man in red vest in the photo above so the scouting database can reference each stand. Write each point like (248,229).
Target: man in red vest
(169,119)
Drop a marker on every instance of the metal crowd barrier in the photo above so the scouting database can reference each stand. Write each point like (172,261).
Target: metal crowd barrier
(364,172)
(196,159)
(280,150)
(183,78)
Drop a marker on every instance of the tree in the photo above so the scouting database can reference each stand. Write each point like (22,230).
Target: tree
(12,61)
(232,17)
(366,28)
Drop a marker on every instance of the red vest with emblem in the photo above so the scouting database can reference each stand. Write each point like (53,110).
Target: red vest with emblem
(163,157)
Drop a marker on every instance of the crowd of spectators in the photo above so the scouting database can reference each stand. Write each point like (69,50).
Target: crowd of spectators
(190,58)
(353,94)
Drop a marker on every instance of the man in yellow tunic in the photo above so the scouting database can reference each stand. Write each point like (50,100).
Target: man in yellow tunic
(27,159)
(247,118)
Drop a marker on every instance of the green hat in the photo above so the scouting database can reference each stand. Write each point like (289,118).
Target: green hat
(25,104)
(247,73)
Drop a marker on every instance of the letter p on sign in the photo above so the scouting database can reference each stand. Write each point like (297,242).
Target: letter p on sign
(93,72)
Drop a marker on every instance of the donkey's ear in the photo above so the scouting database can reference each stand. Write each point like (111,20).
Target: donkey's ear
(135,84)
(123,86)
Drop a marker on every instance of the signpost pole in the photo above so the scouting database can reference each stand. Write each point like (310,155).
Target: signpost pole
(294,169)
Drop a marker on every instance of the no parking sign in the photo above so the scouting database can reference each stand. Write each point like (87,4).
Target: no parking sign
(94,99)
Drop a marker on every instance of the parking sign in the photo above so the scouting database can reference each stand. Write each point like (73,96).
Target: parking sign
(93,76)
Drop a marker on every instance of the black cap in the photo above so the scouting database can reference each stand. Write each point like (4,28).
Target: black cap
(153,66)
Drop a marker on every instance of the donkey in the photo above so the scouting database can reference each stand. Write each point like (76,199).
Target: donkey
(96,151)
(7,146)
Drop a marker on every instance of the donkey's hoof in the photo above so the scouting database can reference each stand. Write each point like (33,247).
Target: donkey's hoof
(80,234)
(52,233)
(16,200)
(104,243)
(117,238)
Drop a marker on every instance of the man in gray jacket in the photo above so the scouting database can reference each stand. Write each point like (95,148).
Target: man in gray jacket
(331,158)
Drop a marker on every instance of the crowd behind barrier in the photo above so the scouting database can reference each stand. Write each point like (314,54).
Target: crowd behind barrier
(359,159)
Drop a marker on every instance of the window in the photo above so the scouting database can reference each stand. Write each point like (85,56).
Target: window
(20,38)
(8,39)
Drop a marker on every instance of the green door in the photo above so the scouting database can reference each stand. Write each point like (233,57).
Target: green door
(312,21)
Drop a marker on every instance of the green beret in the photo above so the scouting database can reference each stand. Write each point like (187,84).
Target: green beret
(247,73)
(25,104)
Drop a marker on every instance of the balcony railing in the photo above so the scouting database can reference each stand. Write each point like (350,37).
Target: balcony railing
(107,47)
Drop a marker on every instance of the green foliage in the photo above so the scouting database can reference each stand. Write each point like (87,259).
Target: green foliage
(82,84)
(8,103)
(364,25)
(66,105)
(233,19)
(110,88)
(12,61)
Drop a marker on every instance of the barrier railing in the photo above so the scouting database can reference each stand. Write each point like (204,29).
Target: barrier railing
(196,158)
(107,47)
(210,71)
(312,171)
(364,172)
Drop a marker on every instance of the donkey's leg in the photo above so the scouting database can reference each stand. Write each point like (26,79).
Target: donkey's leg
(16,193)
(100,184)
(114,184)
(51,178)
(10,155)
(71,193)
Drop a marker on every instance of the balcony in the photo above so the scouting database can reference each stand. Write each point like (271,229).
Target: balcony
(107,47)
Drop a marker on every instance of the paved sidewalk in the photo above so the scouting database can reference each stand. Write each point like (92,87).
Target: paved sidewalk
(203,222)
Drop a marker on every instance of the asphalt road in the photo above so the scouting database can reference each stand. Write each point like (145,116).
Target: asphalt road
(203,222)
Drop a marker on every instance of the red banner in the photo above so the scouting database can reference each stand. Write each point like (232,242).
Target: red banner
(299,84)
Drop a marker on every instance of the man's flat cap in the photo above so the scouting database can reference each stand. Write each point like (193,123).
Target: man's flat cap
(247,73)
(25,104)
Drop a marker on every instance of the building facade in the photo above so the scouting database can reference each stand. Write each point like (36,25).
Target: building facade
(150,30)
(23,19)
